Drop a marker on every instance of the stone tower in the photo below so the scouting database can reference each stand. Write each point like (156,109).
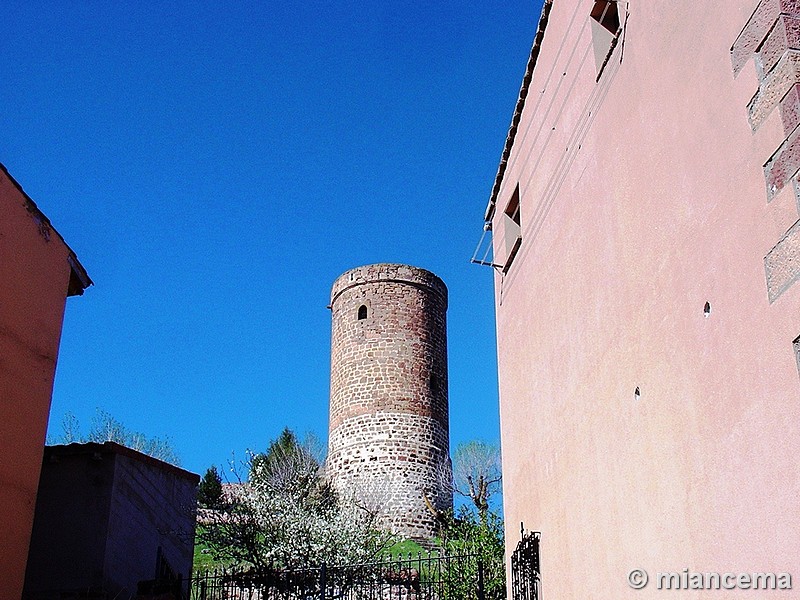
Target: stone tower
(389,428)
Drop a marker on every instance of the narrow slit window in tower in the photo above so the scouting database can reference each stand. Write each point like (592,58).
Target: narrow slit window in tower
(362,312)
(434,383)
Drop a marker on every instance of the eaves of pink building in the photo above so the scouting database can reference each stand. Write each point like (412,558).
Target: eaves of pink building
(647,249)
(37,273)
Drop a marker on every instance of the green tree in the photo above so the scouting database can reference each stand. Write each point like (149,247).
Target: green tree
(209,493)
(481,537)
(279,452)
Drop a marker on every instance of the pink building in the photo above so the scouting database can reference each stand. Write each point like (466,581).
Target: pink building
(646,246)
(37,273)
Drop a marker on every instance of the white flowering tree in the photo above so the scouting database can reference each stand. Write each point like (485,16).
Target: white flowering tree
(287,514)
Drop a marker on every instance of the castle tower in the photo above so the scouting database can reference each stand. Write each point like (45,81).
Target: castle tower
(389,429)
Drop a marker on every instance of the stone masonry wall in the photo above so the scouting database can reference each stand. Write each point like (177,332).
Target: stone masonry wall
(772,38)
(389,424)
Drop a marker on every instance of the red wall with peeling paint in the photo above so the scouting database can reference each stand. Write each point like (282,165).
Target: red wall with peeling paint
(642,197)
(34,280)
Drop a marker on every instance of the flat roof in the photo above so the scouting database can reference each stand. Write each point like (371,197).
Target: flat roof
(115,448)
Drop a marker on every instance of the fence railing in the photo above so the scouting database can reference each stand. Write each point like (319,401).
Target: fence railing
(421,577)
(525,567)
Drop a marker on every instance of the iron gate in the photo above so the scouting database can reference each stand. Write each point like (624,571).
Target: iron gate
(525,568)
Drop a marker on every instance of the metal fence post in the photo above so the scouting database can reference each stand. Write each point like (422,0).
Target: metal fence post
(481,592)
(322,581)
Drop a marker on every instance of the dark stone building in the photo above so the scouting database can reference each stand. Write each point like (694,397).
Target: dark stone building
(108,517)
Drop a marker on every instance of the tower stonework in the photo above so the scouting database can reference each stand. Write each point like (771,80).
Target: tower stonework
(389,424)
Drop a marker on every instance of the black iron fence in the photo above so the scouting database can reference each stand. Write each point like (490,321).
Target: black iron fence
(421,577)
(525,567)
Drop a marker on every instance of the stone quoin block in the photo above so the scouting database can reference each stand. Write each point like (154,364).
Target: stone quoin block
(782,263)
(758,27)
(783,165)
(790,109)
(785,35)
(774,87)
(389,422)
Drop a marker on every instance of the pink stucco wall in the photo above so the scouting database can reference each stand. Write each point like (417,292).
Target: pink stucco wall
(643,197)
(35,276)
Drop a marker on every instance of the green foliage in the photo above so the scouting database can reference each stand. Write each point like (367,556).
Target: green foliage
(286,445)
(291,468)
(481,536)
(203,555)
(465,531)
(105,428)
(209,491)
(403,549)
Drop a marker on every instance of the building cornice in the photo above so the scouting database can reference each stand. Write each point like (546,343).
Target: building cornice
(523,94)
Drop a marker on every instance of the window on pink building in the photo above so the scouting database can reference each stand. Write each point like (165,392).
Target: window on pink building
(512,229)
(605,31)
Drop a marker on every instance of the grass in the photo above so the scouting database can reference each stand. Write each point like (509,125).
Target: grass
(402,549)
(203,557)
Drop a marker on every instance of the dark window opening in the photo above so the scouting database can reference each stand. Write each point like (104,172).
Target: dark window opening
(605,12)
(512,223)
(796,345)
(512,210)
(605,32)
(362,312)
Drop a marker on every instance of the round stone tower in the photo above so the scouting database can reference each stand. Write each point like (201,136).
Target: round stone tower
(389,425)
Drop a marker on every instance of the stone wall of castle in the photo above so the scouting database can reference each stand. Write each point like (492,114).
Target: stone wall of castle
(389,433)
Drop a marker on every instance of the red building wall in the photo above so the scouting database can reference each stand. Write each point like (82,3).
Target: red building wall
(37,272)
(640,430)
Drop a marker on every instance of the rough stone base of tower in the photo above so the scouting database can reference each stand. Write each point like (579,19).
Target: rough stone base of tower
(394,463)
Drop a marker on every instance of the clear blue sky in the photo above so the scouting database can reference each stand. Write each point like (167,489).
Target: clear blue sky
(215,166)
